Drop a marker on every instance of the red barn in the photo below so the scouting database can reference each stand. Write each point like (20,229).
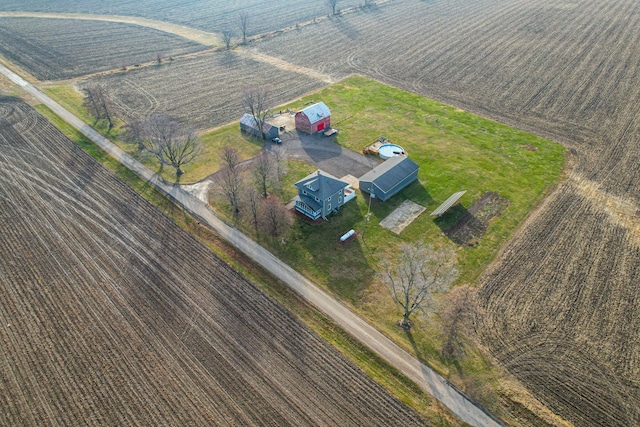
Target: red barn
(315,118)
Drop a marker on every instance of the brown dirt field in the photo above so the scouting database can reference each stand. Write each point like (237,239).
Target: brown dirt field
(113,315)
(562,298)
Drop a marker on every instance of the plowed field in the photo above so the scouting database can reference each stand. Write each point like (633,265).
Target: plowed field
(562,301)
(210,15)
(205,91)
(55,49)
(112,315)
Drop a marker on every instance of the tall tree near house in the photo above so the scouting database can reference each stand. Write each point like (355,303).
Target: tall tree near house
(99,105)
(231,177)
(262,172)
(274,218)
(227,36)
(279,162)
(243,25)
(252,196)
(332,5)
(417,273)
(458,313)
(255,101)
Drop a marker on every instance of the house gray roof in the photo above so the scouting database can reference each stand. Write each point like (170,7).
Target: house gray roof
(248,120)
(321,184)
(392,171)
(316,112)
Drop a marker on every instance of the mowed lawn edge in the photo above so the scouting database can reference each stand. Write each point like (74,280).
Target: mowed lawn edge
(386,375)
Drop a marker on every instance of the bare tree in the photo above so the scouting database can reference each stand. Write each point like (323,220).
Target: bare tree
(416,275)
(231,177)
(252,196)
(256,102)
(133,133)
(227,36)
(274,218)
(166,140)
(99,105)
(262,172)
(460,309)
(181,150)
(332,5)
(243,25)
(280,163)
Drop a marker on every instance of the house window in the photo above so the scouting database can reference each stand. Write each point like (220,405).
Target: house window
(329,198)
(339,199)
(329,207)
(304,192)
(317,200)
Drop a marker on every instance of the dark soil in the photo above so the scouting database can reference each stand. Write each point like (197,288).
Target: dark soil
(474,222)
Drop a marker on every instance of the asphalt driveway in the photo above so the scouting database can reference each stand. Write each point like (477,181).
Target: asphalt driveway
(325,154)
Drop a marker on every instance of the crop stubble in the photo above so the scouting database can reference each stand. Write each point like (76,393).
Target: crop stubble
(568,282)
(56,49)
(112,315)
(561,300)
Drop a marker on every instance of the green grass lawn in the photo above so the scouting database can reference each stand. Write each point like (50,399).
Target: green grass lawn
(456,151)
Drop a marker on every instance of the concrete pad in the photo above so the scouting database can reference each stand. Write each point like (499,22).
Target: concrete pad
(352,180)
(402,216)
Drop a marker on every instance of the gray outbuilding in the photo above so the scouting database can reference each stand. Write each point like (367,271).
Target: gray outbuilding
(248,124)
(388,178)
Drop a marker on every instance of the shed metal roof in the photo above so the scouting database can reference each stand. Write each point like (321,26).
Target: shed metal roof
(316,112)
(444,207)
(389,173)
(248,120)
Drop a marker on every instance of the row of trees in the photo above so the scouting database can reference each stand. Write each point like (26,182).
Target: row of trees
(246,188)
(242,23)
(169,141)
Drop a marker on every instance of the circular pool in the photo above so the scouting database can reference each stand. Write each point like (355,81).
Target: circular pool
(389,150)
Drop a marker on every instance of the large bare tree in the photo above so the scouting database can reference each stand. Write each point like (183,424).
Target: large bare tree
(255,101)
(230,179)
(243,25)
(279,162)
(166,140)
(99,105)
(415,275)
(182,150)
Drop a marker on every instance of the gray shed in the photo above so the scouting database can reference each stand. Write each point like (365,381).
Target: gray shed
(248,124)
(388,178)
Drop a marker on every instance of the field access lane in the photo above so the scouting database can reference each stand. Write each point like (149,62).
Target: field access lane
(422,375)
